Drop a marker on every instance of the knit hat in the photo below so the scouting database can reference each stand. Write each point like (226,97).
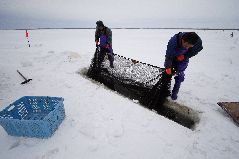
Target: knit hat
(99,23)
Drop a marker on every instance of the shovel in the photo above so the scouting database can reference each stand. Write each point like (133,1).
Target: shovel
(26,80)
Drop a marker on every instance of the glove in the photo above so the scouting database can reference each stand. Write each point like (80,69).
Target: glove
(180,57)
(107,46)
(168,71)
(96,43)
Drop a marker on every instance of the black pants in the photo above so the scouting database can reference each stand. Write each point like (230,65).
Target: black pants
(102,54)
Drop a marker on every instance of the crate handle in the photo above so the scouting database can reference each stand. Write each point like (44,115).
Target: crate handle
(11,108)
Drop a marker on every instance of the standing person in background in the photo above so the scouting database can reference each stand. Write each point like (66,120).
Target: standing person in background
(103,39)
(180,48)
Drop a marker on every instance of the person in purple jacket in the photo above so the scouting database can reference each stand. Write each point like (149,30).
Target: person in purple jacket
(103,35)
(180,48)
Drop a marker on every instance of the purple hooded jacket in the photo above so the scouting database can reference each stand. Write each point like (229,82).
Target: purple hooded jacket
(175,48)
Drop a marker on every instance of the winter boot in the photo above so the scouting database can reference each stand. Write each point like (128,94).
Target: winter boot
(111,64)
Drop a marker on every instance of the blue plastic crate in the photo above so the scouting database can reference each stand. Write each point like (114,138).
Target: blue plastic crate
(33,116)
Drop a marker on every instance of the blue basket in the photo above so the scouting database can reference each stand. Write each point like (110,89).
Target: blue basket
(33,116)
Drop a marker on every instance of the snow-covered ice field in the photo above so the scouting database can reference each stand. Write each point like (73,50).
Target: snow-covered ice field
(103,124)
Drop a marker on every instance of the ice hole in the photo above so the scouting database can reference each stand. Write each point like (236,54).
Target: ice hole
(181,114)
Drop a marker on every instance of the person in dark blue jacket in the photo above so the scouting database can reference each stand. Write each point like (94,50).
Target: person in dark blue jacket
(103,35)
(180,48)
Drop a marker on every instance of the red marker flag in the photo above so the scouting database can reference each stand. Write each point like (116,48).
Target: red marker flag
(26,34)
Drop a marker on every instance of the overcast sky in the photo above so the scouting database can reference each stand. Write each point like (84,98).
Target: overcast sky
(119,13)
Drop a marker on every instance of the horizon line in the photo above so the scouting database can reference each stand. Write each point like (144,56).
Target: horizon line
(186,28)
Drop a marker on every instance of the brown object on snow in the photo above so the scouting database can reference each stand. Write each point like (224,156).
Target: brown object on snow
(134,61)
(232,108)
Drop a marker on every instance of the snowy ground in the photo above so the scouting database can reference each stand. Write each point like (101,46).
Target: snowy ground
(103,124)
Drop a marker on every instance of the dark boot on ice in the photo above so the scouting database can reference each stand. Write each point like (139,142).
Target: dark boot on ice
(111,65)
(176,87)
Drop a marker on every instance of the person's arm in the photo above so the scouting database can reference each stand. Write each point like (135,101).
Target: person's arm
(109,36)
(170,52)
(97,34)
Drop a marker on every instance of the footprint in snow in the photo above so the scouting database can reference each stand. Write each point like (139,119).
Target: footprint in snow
(26,64)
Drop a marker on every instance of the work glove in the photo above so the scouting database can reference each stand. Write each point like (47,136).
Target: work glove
(180,57)
(96,43)
(107,46)
(168,71)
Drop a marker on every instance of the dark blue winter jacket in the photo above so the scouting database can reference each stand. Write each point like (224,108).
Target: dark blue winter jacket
(175,48)
(107,31)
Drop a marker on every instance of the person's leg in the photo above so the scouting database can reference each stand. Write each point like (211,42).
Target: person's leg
(181,67)
(101,57)
(104,50)
(111,57)
(178,80)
